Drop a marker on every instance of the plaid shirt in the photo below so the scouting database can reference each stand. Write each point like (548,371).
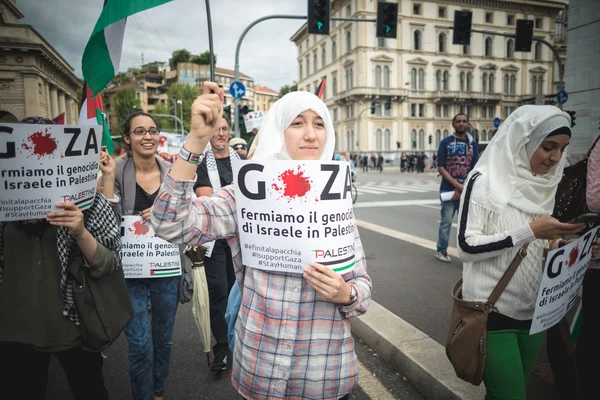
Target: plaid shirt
(290,342)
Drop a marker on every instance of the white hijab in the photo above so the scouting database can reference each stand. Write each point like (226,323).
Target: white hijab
(271,142)
(505,164)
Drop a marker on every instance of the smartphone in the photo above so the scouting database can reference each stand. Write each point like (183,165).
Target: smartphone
(591,220)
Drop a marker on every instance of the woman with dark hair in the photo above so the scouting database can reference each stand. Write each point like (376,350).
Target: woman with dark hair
(38,317)
(131,185)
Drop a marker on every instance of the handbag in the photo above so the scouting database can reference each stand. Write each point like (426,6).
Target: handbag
(103,305)
(570,195)
(467,335)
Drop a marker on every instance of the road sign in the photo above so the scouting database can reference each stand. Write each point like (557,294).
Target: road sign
(237,90)
(562,97)
(496,122)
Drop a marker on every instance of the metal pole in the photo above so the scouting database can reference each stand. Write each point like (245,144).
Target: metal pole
(176,118)
(175,112)
(181,113)
(210,42)
(358,125)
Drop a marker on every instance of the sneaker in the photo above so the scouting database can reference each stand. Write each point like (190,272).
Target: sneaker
(443,256)
(219,364)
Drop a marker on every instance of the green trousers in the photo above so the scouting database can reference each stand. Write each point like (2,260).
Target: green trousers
(511,355)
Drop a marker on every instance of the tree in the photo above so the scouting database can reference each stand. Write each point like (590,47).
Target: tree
(178,56)
(120,78)
(165,124)
(187,94)
(126,102)
(204,58)
(287,88)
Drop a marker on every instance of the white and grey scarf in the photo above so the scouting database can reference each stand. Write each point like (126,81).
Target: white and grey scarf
(101,222)
(211,166)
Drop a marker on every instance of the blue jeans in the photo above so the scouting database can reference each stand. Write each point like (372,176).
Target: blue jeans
(150,343)
(449,208)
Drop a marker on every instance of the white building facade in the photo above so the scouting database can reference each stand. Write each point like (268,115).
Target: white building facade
(428,79)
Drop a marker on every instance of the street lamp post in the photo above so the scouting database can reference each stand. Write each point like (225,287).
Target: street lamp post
(180,102)
(175,112)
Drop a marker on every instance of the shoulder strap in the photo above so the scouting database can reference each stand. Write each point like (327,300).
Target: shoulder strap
(510,271)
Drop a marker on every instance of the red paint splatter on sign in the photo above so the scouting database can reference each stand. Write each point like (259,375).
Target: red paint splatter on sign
(139,228)
(293,184)
(41,144)
(573,256)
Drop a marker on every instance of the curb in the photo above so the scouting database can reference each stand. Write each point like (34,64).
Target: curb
(413,354)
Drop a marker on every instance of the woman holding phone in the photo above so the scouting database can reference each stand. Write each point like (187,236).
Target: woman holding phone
(506,204)
(292,334)
(131,185)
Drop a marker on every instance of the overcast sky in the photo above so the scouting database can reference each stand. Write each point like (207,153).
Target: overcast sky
(267,53)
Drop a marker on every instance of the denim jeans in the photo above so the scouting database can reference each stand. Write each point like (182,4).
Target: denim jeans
(449,208)
(150,343)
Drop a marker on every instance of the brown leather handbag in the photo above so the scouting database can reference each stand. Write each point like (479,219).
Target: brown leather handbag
(467,335)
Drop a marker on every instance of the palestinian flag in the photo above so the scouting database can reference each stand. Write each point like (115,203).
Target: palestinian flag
(102,54)
(60,120)
(321,88)
(92,113)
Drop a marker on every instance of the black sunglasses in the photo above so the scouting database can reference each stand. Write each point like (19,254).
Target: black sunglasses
(239,146)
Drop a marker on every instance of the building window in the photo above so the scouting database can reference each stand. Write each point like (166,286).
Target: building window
(513,84)
(492,85)
(445,110)
(438,137)
(442,43)
(413,139)
(387,113)
(442,12)
(491,112)
(307,66)
(489,47)
(421,79)
(510,48)
(349,111)
(484,112)
(538,51)
(388,140)
(469,81)
(413,78)
(417,40)
(445,78)
(348,11)
(378,76)
(484,81)
(416,9)
(422,110)
(333,51)
(378,109)
(335,115)
(462,81)
(349,78)
(413,110)
(378,138)
(539,23)
(315,66)
(421,139)
(438,80)
(506,84)
(540,85)
(446,133)
(438,111)
(489,17)
(510,20)
(381,42)
(323,58)
(334,85)
(386,77)
(466,50)
(300,70)
(348,41)
(537,85)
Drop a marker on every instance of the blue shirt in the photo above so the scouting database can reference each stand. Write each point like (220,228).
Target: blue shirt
(458,157)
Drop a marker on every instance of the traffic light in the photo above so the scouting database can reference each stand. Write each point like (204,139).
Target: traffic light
(373,107)
(387,20)
(524,35)
(430,139)
(462,27)
(318,16)
(572,114)
(398,145)
(476,135)
(388,103)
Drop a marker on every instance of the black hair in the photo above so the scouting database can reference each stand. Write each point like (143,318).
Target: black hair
(127,128)
(458,115)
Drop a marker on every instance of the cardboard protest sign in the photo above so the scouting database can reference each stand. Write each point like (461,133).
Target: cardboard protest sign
(563,275)
(41,165)
(293,213)
(253,120)
(145,255)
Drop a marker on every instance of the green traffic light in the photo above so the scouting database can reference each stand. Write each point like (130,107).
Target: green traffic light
(388,29)
(319,25)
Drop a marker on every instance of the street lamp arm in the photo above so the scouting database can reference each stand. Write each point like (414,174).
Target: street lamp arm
(171,116)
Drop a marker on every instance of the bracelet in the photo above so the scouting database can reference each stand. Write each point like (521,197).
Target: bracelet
(190,157)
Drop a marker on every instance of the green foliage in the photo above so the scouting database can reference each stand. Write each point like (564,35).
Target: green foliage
(204,58)
(120,78)
(286,89)
(186,93)
(165,124)
(178,56)
(126,102)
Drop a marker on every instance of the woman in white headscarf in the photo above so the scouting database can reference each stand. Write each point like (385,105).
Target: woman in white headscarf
(506,204)
(293,336)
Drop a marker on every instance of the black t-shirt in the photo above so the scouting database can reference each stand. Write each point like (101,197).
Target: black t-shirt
(225,173)
(143,199)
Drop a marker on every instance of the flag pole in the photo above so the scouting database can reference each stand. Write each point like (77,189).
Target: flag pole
(210,42)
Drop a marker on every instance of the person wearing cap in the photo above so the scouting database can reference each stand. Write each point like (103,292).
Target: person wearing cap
(240,146)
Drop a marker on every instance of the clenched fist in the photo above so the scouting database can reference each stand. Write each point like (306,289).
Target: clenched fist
(207,111)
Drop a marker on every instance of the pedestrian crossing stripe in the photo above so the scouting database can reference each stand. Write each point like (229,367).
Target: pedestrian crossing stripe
(378,188)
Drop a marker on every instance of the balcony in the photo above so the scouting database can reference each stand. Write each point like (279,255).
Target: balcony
(463,96)
(361,93)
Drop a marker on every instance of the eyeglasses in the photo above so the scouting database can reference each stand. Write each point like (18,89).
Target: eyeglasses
(142,131)
(239,147)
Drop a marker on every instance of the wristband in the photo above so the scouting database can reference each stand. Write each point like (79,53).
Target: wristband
(190,157)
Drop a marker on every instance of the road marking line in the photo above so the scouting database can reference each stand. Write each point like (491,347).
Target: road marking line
(371,385)
(394,203)
(389,189)
(428,206)
(428,244)
(360,189)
